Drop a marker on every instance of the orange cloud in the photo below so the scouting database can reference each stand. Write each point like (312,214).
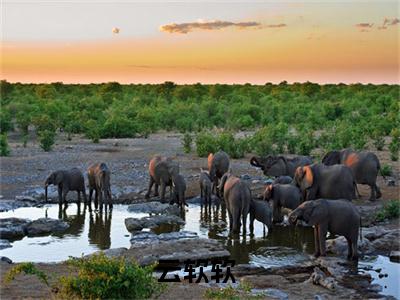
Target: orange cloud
(364,25)
(276,25)
(184,28)
(389,22)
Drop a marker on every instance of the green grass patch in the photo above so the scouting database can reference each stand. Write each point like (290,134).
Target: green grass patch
(243,291)
(390,210)
(26,268)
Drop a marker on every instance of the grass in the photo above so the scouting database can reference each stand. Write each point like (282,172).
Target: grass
(386,170)
(243,291)
(390,210)
(26,268)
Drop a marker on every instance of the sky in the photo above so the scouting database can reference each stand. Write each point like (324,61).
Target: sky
(194,41)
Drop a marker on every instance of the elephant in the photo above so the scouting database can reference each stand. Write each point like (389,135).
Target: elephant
(364,165)
(336,216)
(205,186)
(280,165)
(161,170)
(283,180)
(218,165)
(237,198)
(282,195)
(260,211)
(67,180)
(99,181)
(179,189)
(330,182)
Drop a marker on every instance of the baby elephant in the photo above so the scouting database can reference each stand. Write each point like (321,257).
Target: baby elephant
(179,189)
(205,186)
(67,180)
(260,211)
(237,197)
(336,216)
(282,195)
(99,181)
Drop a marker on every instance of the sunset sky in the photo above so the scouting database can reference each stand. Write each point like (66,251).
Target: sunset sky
(193,41)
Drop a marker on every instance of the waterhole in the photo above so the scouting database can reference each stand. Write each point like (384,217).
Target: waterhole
(92,231)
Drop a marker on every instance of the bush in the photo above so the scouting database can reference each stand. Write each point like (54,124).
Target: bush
(92,131)
(378,140)
(46,139)
(100,277)
(4,148)
(5,121)
(394,145)
(262,142)
(187,140)
(306,143)
(386,170)
(26,268)
(205,144)
(390,210)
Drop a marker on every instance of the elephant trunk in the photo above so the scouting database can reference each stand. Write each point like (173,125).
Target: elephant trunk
(45,191)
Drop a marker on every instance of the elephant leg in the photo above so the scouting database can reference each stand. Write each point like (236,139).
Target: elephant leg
(201,193)
(149,189)
(252,223)
(64,196)
(316,241)
(90,194)
(79,197)
(163,187)
(60,197)
(236,220)
(230,220)
(355,249)
(244,221)
(156,185)
(378,191)
(372,197)
(322,231)
(100,192)
(349,248)
(96,198)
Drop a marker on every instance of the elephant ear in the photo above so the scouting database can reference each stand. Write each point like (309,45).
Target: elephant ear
(224,178)
(308,177)
(298,176)
(268,193)
(285,162)
(209,161)
(58,177)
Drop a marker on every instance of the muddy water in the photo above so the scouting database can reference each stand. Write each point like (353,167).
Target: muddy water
(89,232)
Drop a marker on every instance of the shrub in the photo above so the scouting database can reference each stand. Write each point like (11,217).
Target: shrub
(306,143)
(26,268)
(187,140)
(262,142)
(205,144)
(390,210)
(4,148)
(46,139)
(25,140)
(378,140)
(100,277)
(5,121)
(394,145)
(92,131)
(386,170)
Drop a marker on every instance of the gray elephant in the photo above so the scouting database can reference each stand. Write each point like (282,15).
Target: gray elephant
(179,189)
(260,211)
(237,197)
(99,182)
(218,165)
(280,165)
(330,182)
(282,195)
(161,170)
(364,165)
(205,186)
(339,217)
(67,180)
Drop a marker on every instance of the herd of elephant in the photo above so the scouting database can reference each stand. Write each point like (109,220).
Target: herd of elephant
(319,194)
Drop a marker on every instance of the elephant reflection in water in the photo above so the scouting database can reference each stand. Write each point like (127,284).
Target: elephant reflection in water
(76,222)
(214,218)
(100,229)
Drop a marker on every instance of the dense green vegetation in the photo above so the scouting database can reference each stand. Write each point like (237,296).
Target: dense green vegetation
(292,118)
(390,210)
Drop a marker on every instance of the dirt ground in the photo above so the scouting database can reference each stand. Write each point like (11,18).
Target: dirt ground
(27,168)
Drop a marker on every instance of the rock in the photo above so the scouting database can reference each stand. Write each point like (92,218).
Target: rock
(133,224)
(388,242)
(339,246)
(154,207)
(391,182)
(25,198)
(11,228)
(255,181)
(5,259)
(181,249)
(373,233)
(115,252)
(394,256)
(245,177)
(45,226)
(4,244)
(270,293)
(151,238)
(6,205)
(320,278)
(375,288)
